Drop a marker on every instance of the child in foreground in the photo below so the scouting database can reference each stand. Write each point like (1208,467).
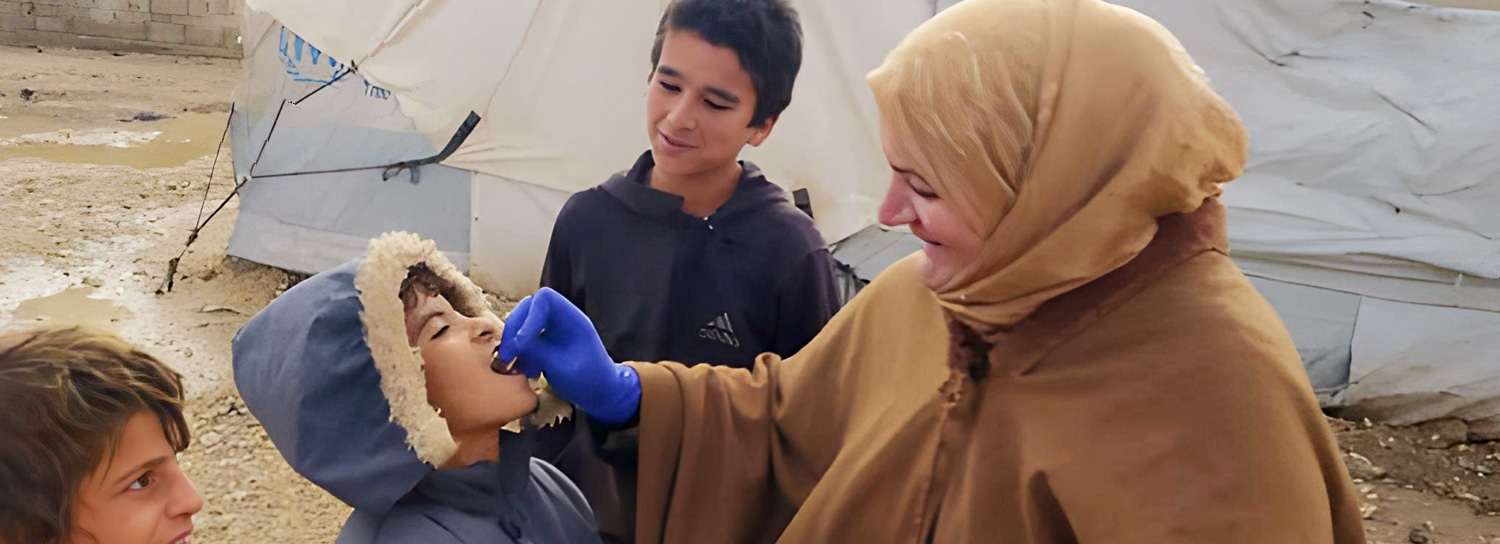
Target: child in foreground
(92,427)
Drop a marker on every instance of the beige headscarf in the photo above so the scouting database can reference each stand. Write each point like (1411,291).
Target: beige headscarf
(1063,129)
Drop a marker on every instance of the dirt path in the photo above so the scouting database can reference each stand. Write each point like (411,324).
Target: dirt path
(89,229)
(1424,481)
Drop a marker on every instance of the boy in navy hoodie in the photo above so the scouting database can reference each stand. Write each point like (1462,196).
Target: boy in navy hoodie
(691,255)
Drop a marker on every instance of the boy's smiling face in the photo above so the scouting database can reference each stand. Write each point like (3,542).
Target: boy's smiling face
(137,495)
(699,107)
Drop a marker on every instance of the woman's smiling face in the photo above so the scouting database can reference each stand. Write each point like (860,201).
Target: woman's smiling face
(948,241)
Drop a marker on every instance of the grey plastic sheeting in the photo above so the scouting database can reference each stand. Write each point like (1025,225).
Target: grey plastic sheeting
(865,254)
(874,249)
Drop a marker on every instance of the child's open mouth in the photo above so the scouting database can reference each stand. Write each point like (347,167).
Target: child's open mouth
(502,367)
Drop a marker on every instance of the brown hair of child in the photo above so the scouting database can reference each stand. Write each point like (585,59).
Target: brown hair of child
(65,397)
(422,280)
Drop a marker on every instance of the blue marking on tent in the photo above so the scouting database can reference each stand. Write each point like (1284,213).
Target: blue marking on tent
(305,63)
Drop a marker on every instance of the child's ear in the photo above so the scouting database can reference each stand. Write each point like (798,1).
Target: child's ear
(762,132)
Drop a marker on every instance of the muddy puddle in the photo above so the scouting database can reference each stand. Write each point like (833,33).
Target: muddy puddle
(97,293)
(138,144)
(70,307)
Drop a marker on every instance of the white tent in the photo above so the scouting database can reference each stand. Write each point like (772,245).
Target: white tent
(310,223)
(1361,215)
(560,88)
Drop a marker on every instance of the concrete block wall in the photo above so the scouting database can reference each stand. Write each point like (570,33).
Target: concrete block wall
(187,27)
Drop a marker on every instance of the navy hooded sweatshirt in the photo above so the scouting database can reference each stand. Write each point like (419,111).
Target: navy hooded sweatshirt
(305,368)
(662,285)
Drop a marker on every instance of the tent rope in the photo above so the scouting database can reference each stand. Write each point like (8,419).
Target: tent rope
(200,223)
(350,69)
(215,168)
(388,171)
(393,169)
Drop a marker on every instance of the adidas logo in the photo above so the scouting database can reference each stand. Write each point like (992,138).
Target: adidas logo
(719,330)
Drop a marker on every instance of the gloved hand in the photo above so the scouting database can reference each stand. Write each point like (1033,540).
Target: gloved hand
(547,334)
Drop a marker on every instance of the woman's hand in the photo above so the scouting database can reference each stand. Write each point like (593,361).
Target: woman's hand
(547,334)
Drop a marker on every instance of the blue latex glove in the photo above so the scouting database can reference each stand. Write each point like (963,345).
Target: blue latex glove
(547,334)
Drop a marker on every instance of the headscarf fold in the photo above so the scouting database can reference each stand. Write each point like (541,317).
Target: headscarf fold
(1063,129)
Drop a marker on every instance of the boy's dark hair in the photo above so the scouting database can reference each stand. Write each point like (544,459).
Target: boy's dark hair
(421,280)
(765,34)
(67,394)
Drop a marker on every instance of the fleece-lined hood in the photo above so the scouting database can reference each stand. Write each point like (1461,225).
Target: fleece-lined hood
(327,370)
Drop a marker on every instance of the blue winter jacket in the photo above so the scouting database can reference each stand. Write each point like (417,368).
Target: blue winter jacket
(306,371)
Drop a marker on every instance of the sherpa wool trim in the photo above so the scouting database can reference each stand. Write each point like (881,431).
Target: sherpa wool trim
(550,408)
(401,378)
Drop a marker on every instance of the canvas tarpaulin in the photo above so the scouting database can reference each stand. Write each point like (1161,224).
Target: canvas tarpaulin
(1370,153)
(1367,206)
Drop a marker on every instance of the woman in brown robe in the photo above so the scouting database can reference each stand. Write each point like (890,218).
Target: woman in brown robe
(1071,358)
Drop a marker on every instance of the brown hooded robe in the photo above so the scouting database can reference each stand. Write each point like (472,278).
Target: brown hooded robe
(1102,373)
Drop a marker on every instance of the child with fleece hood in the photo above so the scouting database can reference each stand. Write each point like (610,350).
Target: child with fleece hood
(373,380)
